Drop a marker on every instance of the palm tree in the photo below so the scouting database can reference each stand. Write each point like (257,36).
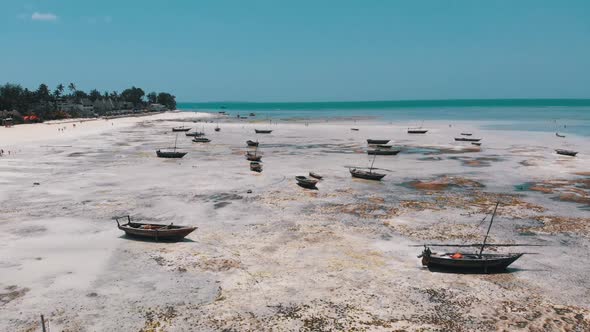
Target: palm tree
(60,88)
(72,88)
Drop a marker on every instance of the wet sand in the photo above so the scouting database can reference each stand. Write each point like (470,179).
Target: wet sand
(284,257)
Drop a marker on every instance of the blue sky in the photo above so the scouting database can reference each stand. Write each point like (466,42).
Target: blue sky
(302,50)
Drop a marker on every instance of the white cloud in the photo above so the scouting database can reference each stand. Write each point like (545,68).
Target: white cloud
(46,17)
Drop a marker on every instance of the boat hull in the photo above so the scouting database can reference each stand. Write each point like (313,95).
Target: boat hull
(414,131)
(366,175)
(378,141)
(566,153)
(180,129)
(383,152)
(252,143)
(258,131)
(486,262)
(164,154)
(463,139)
(175,234)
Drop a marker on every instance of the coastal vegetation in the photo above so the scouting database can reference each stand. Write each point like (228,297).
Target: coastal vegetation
(21,104)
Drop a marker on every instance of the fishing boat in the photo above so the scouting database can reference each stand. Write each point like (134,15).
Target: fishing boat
(256,166)
(171,154)
(315,175)
(201,140)
(465,139)
(367,175)
(466,134)
(470,261)
(156,232)
(378,141)
(253,156)
(384,146)
(417,131)
(566,152)
(306,182)
(383,152)
(252,143)
(183,128)
(558,135)
(476,143)
(354,129)
(195,134)
(263,131)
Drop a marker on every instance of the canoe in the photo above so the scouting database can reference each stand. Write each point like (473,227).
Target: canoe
(315,175)
(262,131)
(253,156)
(181,129)
(306,182)
(201,140)
(464,139)
(255,166)
(417,131)
(468,261)
(252,143)
(170,154)
(378,141)
(380,152)
(158,232)
(357,173)
(566,152)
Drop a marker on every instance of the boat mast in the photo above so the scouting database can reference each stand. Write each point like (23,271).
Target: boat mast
(371,168)
(175,142)
(489,227)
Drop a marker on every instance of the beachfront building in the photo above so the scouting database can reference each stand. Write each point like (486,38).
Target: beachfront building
(156,108)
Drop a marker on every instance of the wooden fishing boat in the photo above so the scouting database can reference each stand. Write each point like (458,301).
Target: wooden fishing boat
(263,131)
(170,154)
(195,134)
(368,175)
(466,134)
(465,139)
(459,261)
(476,143)
(158,232)
(383,152)
(558,135)
(201,140)
(306,182)
(354,129)
(253,156)
(255,166)
(378,141)
(181,128)
(252,143)
(417,131)
(566,152)
(315,175)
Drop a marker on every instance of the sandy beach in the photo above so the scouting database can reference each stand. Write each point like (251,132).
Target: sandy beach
(281,257)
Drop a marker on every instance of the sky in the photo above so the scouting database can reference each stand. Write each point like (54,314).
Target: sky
(304,50)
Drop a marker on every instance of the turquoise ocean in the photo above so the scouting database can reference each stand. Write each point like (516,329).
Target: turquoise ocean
(564,115)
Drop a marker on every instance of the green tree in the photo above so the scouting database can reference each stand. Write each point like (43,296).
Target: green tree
(94,94)
(133,95)
(43,92)
(152,98)
(167,100)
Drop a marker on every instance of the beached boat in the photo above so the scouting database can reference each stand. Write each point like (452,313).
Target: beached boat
(181,128)
(384,146)
(466,134)
(253,156)
(378,141)
(201,140)
(558,135)
(255,166)
(195,134)
(368,175)
(566,152)
(263,131)
(476,143)
(354,129)
(458,261)
(465,139)
(383,152)
(217,129)
(315,175)
(417,131)
(158,232)
(171,154)
(306,182)
(252,143)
